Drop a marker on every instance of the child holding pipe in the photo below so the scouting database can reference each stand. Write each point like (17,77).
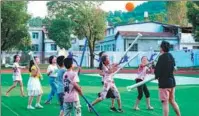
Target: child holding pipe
(108,71)
(142,73)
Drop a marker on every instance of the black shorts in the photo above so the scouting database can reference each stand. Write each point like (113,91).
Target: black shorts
(109,94)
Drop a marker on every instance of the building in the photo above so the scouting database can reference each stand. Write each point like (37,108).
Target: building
(42,46)
(120,37)
(187,40)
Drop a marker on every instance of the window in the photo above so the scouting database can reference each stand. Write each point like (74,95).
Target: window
(113,47)
(35,47)
(184,48)
(109,32)
(195,47)
(112,31)
(101,48)
(53,47)
(35,35)
(134,47)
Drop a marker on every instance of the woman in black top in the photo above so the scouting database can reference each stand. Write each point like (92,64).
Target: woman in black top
(164,73)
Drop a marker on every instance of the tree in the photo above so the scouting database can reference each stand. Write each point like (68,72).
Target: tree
(131,20)
(193,16)
(36,22)
(14,30)
(89,20)
(60,30)
(176,13)
(159,17)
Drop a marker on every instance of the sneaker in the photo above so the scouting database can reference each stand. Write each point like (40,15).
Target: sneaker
(39,106)
(30,107)
(89,108)
(150,108)
(120,110)
(47,102)
(113,109)
(136,108)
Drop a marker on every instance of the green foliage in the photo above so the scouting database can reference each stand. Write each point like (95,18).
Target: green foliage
(36,22)
(88,21)
(193,16)
(159,17)
(60,30)
(176,13)
(14,30)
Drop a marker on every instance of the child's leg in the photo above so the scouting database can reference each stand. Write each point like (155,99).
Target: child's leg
(140,95)
(112,102)
(38,99)
(53,89)
(165,106)
(102,95)
(68,107)
(164,97)
(147,95)
(61,101)
(77,110)
(30,100)
(12,87)
(21,88)
(117,96)
(173,102)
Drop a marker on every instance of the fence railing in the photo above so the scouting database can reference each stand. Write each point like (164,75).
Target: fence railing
(182,58)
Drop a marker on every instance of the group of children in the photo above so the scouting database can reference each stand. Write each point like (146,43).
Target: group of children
(64,80)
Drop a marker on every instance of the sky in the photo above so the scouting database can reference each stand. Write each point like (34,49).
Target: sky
(38,8)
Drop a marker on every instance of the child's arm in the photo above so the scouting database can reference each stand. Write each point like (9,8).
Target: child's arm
(49,71)
(77,88)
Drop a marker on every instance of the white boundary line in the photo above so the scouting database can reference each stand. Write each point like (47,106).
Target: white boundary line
(10,109)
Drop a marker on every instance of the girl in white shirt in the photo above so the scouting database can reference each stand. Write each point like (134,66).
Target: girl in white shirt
(16,76)
(52,73)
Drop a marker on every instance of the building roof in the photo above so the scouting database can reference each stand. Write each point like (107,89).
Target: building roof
(149,22)
(144,34)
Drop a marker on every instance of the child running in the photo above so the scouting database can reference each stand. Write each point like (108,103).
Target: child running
(34,86)
(142,73)
(164,73)
(108,71)
(16,76)
(110,93)
(52,73)
(60,82)
(71,89)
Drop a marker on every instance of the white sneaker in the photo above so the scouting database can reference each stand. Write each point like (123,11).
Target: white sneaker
(136,108)
(39,106)
(150,108)
(30,107)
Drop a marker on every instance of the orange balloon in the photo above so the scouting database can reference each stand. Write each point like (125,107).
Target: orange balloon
(129,6)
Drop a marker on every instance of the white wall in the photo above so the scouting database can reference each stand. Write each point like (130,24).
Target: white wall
(119,43)
(188,46)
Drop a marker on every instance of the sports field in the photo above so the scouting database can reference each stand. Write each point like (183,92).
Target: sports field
(187,97)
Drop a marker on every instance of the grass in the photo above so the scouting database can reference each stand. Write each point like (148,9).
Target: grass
(186,96)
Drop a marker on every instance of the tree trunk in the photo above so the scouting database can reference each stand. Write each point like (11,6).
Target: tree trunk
(91,54)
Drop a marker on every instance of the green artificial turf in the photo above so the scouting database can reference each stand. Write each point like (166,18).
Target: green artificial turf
(187,96)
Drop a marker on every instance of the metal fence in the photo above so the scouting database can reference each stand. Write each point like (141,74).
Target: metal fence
(183,58)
